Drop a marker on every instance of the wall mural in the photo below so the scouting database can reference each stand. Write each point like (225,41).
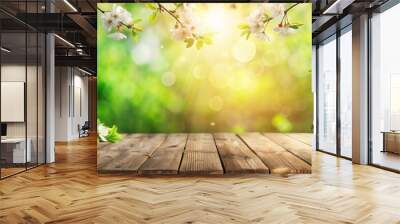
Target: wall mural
(204,67)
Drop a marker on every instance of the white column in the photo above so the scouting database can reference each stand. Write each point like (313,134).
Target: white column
(360,90)
(314,91)
(50,99)
(50,92)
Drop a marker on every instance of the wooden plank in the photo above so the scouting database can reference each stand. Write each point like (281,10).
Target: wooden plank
(107,152)
(306,138)
(236,157)
(277,159)
(131,154)
(298,148)
(167,158)
(201,156)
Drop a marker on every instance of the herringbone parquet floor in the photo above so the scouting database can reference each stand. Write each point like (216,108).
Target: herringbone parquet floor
(70,191)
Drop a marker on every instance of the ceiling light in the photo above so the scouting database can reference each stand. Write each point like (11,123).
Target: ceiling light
(5,50)
(65,41)
(84,71)
(70,5)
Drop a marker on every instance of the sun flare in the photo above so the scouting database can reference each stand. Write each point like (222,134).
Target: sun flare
(218,20)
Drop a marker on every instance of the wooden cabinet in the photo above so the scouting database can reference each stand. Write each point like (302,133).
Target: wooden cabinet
(391,142)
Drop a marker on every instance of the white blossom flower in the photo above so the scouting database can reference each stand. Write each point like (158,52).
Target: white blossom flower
(262,36)
(257,21)
(185,14)
(284,29)
(117,36)
(125,16)
(108,21)
(117,16)
(182,32)
(186,27)
(102,132)
(120,15)
(277,10)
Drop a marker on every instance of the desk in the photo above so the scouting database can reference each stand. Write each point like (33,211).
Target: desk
(13,150)
(391,141)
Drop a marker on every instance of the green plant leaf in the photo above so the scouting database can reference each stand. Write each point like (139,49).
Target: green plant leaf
(113,135)
(189,42)
(151,6)
(178,5)
(135,35)
(295,26)
(137,28)
(153,17)
(244,26)
(207,39)
(199,44)
(137,21)
(248,35)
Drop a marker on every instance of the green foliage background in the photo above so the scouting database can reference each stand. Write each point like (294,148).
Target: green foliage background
(156,84)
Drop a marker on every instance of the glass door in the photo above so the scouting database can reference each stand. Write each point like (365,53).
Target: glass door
(385,89)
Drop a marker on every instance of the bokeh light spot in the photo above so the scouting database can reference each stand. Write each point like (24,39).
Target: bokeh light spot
(216,103)
(244,51)
(168,79)
(282,123)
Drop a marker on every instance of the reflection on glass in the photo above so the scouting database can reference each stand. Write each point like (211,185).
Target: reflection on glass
(31,101)
(14,150)
(346,94)
(386,89)
(327,96)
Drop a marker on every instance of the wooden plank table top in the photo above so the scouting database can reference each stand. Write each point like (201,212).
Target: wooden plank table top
(201,156)
(236,156)
(167,158)
(275,157)
(206,154)
(303,137)
(294,146)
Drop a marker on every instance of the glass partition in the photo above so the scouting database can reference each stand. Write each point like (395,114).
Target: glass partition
(22,78)
(346,93)
(385,89)
(327,95)
(14,153)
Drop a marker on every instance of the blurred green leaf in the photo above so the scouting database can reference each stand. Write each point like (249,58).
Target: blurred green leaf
(295,26)
(137,21)
(199,44)
(113,135)
(152,6)
(189,42)
(153,17)
(178,5)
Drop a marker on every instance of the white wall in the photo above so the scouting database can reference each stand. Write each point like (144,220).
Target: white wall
(70,83)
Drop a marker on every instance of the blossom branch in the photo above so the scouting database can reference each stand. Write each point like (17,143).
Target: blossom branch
(120,23)
(162,8)
(286,12)
(291,7)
